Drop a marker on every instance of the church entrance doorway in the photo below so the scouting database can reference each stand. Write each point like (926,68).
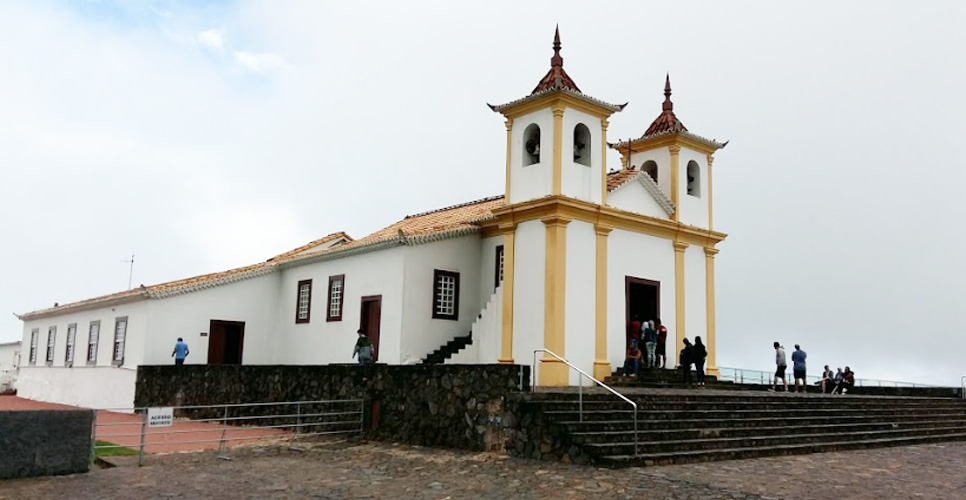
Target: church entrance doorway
(369,321)
(642,298)
(225,342)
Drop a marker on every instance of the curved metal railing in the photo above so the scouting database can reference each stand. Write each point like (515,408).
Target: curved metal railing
(580,387)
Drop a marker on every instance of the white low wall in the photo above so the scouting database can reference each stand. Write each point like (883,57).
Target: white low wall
(88,387)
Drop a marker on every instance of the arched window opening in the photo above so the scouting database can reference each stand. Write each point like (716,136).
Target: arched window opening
(582,144)
(650,168)
(694,179)
(531,145)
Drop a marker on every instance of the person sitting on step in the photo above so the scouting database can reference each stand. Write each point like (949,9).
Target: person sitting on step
(632,363)
(847,382)
(828,379)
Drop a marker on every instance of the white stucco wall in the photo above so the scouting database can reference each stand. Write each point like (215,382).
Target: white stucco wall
(693,209)
(580,296)
(89,387)
(578,180)
(488,268)
(136,313)
(634,197)
(528,293)
(532,181)
(323,342)
(8,356)
(422,334)
(253,301)
(661,156)
(695,294)
(640,256)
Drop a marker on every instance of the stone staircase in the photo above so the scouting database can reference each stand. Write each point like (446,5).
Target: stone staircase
(679,426)
(439,356)
(655,378)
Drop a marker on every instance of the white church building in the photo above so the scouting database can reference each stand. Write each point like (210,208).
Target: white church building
(562,260)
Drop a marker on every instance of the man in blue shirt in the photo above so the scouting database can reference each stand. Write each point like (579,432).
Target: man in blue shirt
(180,351)
(798,366)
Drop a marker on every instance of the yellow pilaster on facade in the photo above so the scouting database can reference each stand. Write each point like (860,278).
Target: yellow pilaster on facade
(602,366)
(552,372)
(558,112)
(509,130)
(709,254)
(679,248)
(506,349)
(603,162)
(675,179)
(710,184)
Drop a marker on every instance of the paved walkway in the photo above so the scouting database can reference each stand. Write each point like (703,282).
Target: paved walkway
(337,470)
(125,429)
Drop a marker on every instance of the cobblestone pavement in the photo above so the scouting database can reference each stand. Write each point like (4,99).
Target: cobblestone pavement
(337,470)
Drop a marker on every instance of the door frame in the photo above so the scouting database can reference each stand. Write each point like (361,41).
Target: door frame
(363,301)
(631,280)
(241,337)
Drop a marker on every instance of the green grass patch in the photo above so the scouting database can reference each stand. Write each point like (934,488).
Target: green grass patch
(112,452)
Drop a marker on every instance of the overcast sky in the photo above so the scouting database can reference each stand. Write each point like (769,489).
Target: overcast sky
(202,136)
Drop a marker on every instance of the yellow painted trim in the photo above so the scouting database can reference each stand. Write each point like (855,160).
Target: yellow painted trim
(679,326)
(558,112)
(710,206)
(509,149)
(603,162)
(593,213)
(709,254)
(675,179)
(602,366)
(667,140)
(552,372)
(557,99)
(506,350)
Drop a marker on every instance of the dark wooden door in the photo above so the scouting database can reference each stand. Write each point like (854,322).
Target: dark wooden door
(370,320)
(226,341)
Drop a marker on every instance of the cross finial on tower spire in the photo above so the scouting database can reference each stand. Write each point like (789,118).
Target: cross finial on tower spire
(668,105)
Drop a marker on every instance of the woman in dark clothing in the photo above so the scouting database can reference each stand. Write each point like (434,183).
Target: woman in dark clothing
(686,361)
(698,355)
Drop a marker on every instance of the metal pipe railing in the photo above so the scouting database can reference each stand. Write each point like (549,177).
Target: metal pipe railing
(742,375)
(580,387)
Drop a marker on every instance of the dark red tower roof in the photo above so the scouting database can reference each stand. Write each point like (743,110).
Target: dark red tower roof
(666,121)
(556,78)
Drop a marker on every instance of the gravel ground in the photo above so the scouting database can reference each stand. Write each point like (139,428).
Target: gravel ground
(336,470)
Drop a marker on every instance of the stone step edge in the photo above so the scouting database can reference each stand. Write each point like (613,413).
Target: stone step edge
(630,433)
(859,419)
(838,411)
(629,460)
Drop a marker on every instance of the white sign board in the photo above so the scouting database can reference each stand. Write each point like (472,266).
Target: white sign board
(160,417)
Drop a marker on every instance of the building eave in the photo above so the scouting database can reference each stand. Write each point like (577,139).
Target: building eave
(87,305)
(536,100)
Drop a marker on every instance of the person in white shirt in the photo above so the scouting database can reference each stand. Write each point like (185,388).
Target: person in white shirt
(781,365)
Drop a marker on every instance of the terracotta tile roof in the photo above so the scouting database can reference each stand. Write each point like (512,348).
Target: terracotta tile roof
(666,122)
(312,244)
(619,178)
(556,78)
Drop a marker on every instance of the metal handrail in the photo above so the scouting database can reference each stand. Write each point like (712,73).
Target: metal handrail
(580,387)
(738,375)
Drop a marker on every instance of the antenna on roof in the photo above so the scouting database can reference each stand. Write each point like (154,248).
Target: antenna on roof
(131,272)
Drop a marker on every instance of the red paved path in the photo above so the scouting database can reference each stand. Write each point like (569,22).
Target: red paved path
(124,429)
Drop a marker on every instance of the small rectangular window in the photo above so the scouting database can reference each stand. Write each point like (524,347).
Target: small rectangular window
(303,304)
(120,335)
(51,342)
(92,335)
(71,339)
(498,274)
(446,295)
(34,338)
(336,293)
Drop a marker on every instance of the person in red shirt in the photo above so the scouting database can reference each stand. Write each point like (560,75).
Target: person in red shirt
(661,343)
(634,330)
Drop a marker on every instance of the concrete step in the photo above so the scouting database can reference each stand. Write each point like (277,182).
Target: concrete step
(758,451)
(648,415)
(648,434)
(764,441)
(575,426)
(712,394)
(789,405)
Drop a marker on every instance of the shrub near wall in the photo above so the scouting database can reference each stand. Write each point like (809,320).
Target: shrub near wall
(457,406)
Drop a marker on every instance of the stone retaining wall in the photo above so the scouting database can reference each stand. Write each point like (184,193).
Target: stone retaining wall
(44,442)
(457,406)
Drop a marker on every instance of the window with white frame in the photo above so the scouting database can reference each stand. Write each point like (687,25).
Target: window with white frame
(303,304)
(120,335)
(71,339)
(34,338)
(446,295)
(336,294)
(498,267)
(93,333)
(51,342)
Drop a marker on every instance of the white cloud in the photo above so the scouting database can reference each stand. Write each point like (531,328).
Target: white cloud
(212,39)
(259,63)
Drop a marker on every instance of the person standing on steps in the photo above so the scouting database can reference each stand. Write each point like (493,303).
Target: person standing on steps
(650,343)
(634,330)
(698,354)
(686,361)
(363,349)
(780,365)
(661,343)
(798,367)
(180,352)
